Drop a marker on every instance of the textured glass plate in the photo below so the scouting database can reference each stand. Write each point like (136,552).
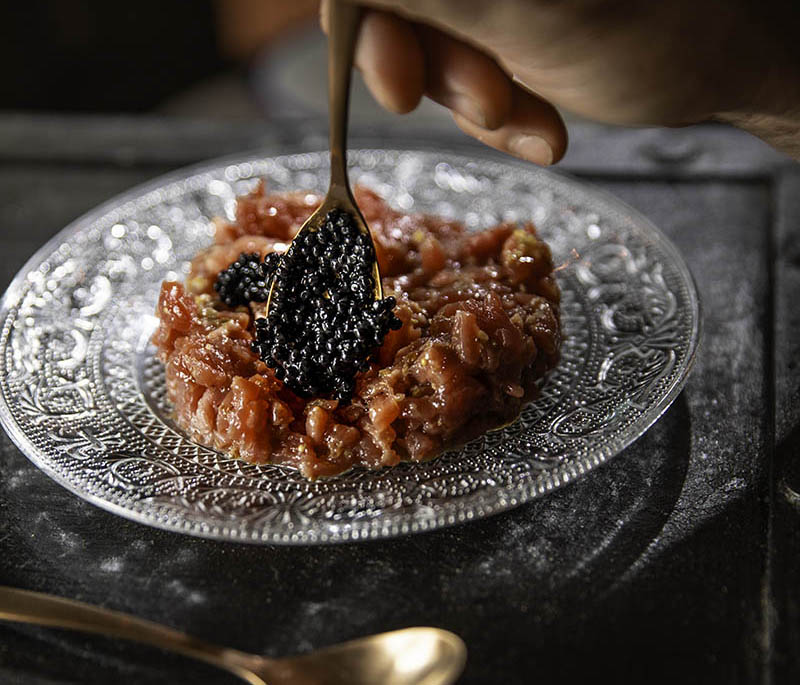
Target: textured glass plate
(84,399)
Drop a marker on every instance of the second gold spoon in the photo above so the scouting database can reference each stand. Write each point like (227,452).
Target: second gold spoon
(413,656)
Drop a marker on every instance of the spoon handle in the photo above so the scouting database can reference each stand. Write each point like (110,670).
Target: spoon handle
(343,21)
(34,607)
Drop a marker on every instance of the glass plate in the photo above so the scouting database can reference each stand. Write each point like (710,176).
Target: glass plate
(83,397)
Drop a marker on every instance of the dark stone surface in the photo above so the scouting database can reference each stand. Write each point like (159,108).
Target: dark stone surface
(655,568)
(785,559)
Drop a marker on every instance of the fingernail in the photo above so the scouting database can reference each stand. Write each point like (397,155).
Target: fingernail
(466,107)
(533,148)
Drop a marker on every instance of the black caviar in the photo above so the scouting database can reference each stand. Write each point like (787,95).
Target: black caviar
(324,321)
(247,279)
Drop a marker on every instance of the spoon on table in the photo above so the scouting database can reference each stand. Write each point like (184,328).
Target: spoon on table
(423,656)
(325,312)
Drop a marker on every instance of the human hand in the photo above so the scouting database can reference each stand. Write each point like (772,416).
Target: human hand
(499,65)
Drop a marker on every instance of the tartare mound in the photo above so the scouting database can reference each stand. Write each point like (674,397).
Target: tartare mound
(480,328)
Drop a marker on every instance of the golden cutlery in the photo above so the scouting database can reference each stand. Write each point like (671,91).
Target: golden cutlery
(422,656)
(343,21)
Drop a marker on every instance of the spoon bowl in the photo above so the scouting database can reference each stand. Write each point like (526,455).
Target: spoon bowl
(414,655)
(339,197)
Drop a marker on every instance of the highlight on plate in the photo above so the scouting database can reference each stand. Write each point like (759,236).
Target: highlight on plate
(330,378)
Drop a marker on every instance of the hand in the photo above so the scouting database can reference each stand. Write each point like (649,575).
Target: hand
(499,64)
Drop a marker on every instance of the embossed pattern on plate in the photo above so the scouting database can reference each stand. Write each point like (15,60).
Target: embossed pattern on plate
(84,399)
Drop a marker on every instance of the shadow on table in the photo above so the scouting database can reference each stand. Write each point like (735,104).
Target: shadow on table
(513,586)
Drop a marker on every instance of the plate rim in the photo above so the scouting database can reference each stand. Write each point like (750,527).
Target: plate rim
(369,529)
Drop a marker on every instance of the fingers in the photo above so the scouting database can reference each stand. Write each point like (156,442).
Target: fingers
(465,80)
(400,61)
(533,130)
(390,58)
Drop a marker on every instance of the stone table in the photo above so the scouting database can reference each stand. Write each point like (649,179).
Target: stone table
(676,562)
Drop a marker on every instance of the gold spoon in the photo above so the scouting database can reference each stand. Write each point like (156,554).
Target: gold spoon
(424,656)
(343,21)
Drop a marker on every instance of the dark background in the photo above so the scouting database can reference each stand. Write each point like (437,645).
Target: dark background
(676,562)
(94,56)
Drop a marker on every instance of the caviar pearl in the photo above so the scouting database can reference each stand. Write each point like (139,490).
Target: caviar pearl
(246,280)
(323,324)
